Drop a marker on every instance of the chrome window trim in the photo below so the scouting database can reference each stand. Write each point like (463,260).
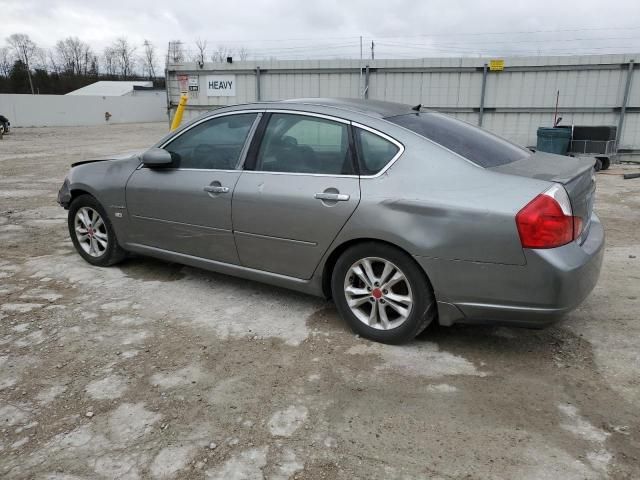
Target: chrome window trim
(309,114)
(254,127)
(200,170)
(389,139)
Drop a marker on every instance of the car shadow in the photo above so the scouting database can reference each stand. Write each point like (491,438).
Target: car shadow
(462,338)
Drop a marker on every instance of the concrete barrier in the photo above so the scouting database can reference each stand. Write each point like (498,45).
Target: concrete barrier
(71,110)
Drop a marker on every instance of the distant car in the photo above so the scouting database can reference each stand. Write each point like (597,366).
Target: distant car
(403,216)
(4,125)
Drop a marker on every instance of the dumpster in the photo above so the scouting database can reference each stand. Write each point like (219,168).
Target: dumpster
(553,140)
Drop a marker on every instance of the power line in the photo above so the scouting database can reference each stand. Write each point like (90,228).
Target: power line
(466,34)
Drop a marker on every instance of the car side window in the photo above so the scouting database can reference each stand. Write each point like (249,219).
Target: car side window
(374,151)
(305,144)
(212,145)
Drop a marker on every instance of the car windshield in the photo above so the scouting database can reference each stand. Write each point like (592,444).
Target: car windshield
(473,143)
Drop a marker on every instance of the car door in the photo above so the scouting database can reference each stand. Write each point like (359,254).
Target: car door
(186,208)
(297,191)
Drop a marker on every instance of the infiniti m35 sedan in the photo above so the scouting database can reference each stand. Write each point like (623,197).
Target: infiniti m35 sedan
(403,216)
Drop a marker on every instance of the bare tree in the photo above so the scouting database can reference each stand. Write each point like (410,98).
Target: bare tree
(74,55)
(149,59)
(201,45)
(65,57)
(41,59)
(221,53)
(5,61)
(25,49)
(243,53)
(94,66)
(124,55)
(176,52)
(54,64)
(110,61)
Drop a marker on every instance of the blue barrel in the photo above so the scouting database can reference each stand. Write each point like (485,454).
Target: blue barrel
(553,140)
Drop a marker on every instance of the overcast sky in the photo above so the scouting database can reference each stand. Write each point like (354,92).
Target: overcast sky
(331,28)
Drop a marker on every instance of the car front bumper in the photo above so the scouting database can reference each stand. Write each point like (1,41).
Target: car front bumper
(551,283)
(64,194)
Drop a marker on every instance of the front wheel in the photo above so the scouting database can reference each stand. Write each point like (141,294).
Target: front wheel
(382,293)
(92,233)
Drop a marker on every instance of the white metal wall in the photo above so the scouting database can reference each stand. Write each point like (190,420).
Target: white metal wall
(71,110)
(517,100)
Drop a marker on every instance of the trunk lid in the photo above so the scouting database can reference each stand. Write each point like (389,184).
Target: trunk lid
(576,174)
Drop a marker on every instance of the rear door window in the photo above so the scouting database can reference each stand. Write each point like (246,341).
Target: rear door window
(473,143)
(305,144)
(374,151)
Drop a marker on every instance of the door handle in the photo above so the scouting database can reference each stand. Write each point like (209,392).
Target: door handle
(332,197)
(216,189)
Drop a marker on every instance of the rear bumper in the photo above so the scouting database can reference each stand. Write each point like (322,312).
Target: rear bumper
(552,283)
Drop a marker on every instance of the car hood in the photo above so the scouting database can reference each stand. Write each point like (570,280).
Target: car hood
(127,155)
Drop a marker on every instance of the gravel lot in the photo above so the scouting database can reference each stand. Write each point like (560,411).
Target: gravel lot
(154,370)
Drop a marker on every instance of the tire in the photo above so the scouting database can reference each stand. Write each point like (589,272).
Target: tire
(598,166)
(99,245)
(606,162)
(348,285)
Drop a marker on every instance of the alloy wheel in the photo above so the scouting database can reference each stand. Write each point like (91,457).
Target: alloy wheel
(91,231)
(378,293)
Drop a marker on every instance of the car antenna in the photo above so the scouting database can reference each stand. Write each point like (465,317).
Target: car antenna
(417,107)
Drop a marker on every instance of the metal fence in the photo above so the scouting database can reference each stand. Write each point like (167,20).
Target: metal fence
(512,102)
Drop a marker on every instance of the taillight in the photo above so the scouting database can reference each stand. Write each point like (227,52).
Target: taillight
(547,221)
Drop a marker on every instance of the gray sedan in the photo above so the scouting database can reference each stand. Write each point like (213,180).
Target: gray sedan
(403,216)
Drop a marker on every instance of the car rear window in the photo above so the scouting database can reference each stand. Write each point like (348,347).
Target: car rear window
(473,143)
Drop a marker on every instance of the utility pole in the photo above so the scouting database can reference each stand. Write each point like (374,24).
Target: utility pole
(360,66)
(373,55)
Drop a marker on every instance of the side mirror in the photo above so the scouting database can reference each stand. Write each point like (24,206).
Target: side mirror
(156,157)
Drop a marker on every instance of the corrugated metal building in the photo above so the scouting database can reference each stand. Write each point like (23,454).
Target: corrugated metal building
(514,102)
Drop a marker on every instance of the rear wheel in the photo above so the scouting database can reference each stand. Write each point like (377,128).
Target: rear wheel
(92,233)
(382,293)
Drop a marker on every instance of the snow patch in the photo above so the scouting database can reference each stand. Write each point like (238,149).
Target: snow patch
(285,422)
(107,388)
(442,388)
(424,359)
(48,395)
(20,307)
(246,465)
(130,421)
(184,376)
(581,427)
(171,460)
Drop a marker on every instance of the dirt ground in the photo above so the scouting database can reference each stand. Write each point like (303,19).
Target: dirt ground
(154,370)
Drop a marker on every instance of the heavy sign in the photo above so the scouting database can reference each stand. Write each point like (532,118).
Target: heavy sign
(221,85)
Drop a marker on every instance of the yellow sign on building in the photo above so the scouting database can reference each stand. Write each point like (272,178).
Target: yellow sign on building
(496,65)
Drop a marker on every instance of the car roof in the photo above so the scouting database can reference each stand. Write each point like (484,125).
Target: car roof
(373,108)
